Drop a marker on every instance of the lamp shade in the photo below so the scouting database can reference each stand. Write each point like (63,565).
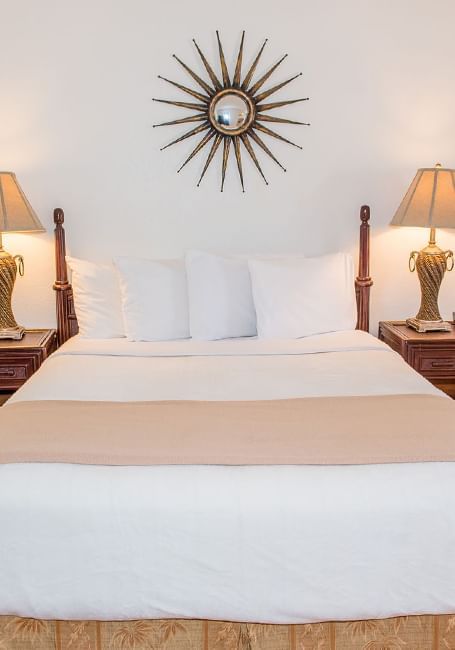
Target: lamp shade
(429,201)
(16,213)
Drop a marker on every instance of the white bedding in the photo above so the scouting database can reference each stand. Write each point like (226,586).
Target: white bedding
(274,544)
(342,363)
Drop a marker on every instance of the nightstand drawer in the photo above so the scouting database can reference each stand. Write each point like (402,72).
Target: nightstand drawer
(19,359)
(435,362)
(14,373)
(432,354)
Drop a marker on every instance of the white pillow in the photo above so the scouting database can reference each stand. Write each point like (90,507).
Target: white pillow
(296,298)
(154,299)
(220,297)
(96,299)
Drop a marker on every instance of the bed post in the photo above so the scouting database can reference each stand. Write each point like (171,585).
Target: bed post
(363,281)
(66,316)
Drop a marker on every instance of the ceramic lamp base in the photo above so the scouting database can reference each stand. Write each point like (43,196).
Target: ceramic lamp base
(429,325)
(9,329)
(431,265)
(14,333)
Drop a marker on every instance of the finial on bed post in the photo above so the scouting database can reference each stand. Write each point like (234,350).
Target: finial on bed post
(66,317)
(363,281)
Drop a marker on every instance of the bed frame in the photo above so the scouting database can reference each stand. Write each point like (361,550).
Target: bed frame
(425,632)
(67,325)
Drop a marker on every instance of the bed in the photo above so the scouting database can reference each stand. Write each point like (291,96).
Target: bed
(162,552)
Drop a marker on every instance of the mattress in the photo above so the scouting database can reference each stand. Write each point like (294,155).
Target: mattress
(276,544)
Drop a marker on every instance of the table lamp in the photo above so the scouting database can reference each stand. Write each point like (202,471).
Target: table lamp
(16,215)
(429,203)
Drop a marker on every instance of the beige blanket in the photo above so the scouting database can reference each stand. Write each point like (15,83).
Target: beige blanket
(315,431)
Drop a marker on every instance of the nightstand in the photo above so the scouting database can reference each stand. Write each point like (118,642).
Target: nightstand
(20,359)
(432,354)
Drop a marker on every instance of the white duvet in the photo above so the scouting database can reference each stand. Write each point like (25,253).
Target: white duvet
(279,544)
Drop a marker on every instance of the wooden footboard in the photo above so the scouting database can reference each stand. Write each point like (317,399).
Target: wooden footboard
(403,633)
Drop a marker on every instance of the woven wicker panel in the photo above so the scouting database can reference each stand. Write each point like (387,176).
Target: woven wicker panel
(404,633)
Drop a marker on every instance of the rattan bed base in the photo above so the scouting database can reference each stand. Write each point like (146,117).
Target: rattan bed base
(403,633)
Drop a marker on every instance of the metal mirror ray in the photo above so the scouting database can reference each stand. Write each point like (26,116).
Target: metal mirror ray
(231,111)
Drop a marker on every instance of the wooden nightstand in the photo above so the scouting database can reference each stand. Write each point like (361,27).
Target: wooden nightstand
(20,359)
(432,354)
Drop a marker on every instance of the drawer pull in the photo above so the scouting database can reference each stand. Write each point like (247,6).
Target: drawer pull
(7,372)
(442,364)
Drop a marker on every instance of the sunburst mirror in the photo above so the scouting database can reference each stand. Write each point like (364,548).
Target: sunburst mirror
(232,112)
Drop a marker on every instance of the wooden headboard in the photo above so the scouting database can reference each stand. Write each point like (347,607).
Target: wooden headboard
(66,316)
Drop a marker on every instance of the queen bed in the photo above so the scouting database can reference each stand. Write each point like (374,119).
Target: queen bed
(338,535)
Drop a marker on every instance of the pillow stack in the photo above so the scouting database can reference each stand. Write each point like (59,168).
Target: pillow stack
(211,297)
(304,297)
(220,297)
(154,299)
(97,299)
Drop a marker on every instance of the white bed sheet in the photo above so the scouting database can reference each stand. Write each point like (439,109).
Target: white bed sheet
(273,544)
(342,363)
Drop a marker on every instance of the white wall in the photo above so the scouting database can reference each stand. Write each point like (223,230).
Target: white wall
(76,112)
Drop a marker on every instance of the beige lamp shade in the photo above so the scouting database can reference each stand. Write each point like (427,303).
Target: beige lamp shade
(16,213)
(429,201)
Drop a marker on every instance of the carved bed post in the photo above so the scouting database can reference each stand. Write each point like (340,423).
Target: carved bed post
(363,281)
(66,317)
